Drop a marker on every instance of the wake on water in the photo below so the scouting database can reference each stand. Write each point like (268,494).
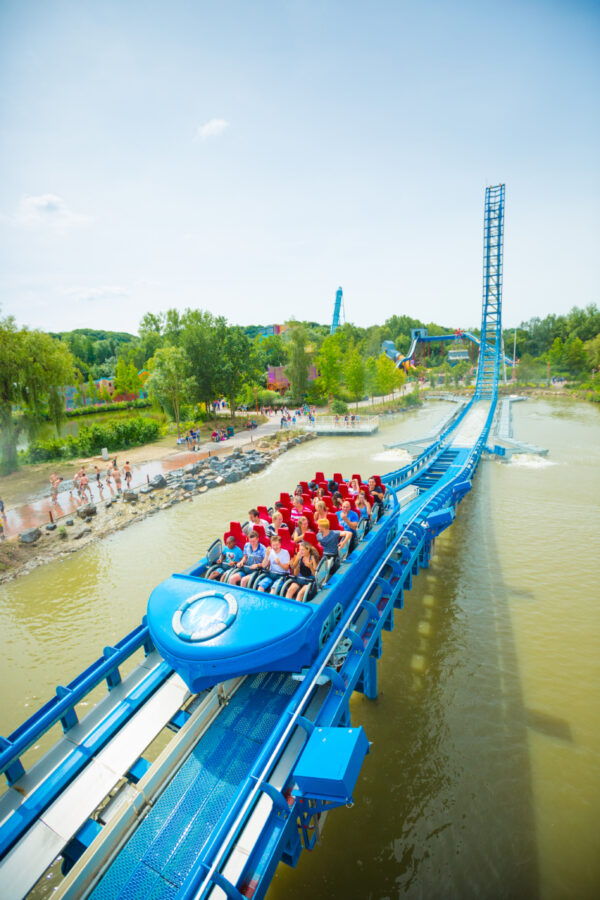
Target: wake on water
(530,461)
(395,455)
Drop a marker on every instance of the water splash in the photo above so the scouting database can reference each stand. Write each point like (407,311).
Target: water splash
(530,461)
(394,455)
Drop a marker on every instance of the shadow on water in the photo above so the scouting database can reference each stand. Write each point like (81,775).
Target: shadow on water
(444,803)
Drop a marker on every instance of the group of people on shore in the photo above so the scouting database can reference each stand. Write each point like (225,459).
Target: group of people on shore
(81,487)
(298,552)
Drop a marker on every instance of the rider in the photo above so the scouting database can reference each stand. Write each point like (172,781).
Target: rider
(230,556)
(276,561)
(254,554)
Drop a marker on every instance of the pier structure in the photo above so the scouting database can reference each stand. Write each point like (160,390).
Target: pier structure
(344,425)
(255,763)
(503,443)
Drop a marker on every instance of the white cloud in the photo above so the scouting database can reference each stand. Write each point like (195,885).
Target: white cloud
(102,294)
(210,129)
(47,211)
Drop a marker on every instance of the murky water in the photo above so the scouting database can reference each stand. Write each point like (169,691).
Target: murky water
(484,775)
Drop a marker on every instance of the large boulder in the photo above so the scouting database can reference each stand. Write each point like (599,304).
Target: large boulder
(188,484)
(158,482)
(84,512)
(130,496)
(30,536)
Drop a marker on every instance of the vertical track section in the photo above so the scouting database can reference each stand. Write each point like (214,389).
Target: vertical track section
(490,352)
(337,310)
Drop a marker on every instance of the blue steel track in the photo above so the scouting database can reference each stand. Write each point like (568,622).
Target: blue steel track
(219,808)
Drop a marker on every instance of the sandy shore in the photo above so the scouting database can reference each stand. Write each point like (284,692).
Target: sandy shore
(17,559)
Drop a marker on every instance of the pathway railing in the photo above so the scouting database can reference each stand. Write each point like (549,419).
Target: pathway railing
(364,424)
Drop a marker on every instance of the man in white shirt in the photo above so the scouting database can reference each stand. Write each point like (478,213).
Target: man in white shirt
(276,561)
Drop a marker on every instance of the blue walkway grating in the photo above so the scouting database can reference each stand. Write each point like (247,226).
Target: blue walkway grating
(161,853)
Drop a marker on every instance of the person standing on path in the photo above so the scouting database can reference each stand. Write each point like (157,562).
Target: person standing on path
(128,474)
(55,480)
(116,474)
(77,481)
(84,487)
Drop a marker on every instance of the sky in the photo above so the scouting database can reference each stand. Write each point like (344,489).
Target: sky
(248,158)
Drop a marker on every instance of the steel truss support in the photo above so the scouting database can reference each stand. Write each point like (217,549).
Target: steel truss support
(490,351)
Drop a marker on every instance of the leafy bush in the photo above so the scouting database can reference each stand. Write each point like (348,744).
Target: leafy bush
(107,407)
(92,438)
(412,399)
(42,451)
(339,408)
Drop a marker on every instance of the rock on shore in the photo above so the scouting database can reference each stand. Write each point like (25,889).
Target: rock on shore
(161,492)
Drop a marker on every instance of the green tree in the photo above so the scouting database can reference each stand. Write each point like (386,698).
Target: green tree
(371,375)
(330,365)
(172,326)
(556,354)
(575,356)
(91,391)
(121,381)
(528,369)
(33,367)
(56,407)
(238,364)
(150,339)
(271,351)
(297,368)
(388,376)
(592,349)
(168,383)
(356,374)
(460,370)
(133,379)
(201,337)
(79,396)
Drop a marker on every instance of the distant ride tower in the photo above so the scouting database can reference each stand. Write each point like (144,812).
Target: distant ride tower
(338,310)
(490,351)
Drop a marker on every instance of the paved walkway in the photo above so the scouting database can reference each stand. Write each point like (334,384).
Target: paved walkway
(40,512)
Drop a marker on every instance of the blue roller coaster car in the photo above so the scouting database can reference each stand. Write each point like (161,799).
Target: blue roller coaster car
(209,631)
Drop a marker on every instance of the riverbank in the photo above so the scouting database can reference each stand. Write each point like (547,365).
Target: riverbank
(96,520)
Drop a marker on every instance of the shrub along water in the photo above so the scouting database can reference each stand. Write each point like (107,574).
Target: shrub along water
(106,408)
(92,438)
